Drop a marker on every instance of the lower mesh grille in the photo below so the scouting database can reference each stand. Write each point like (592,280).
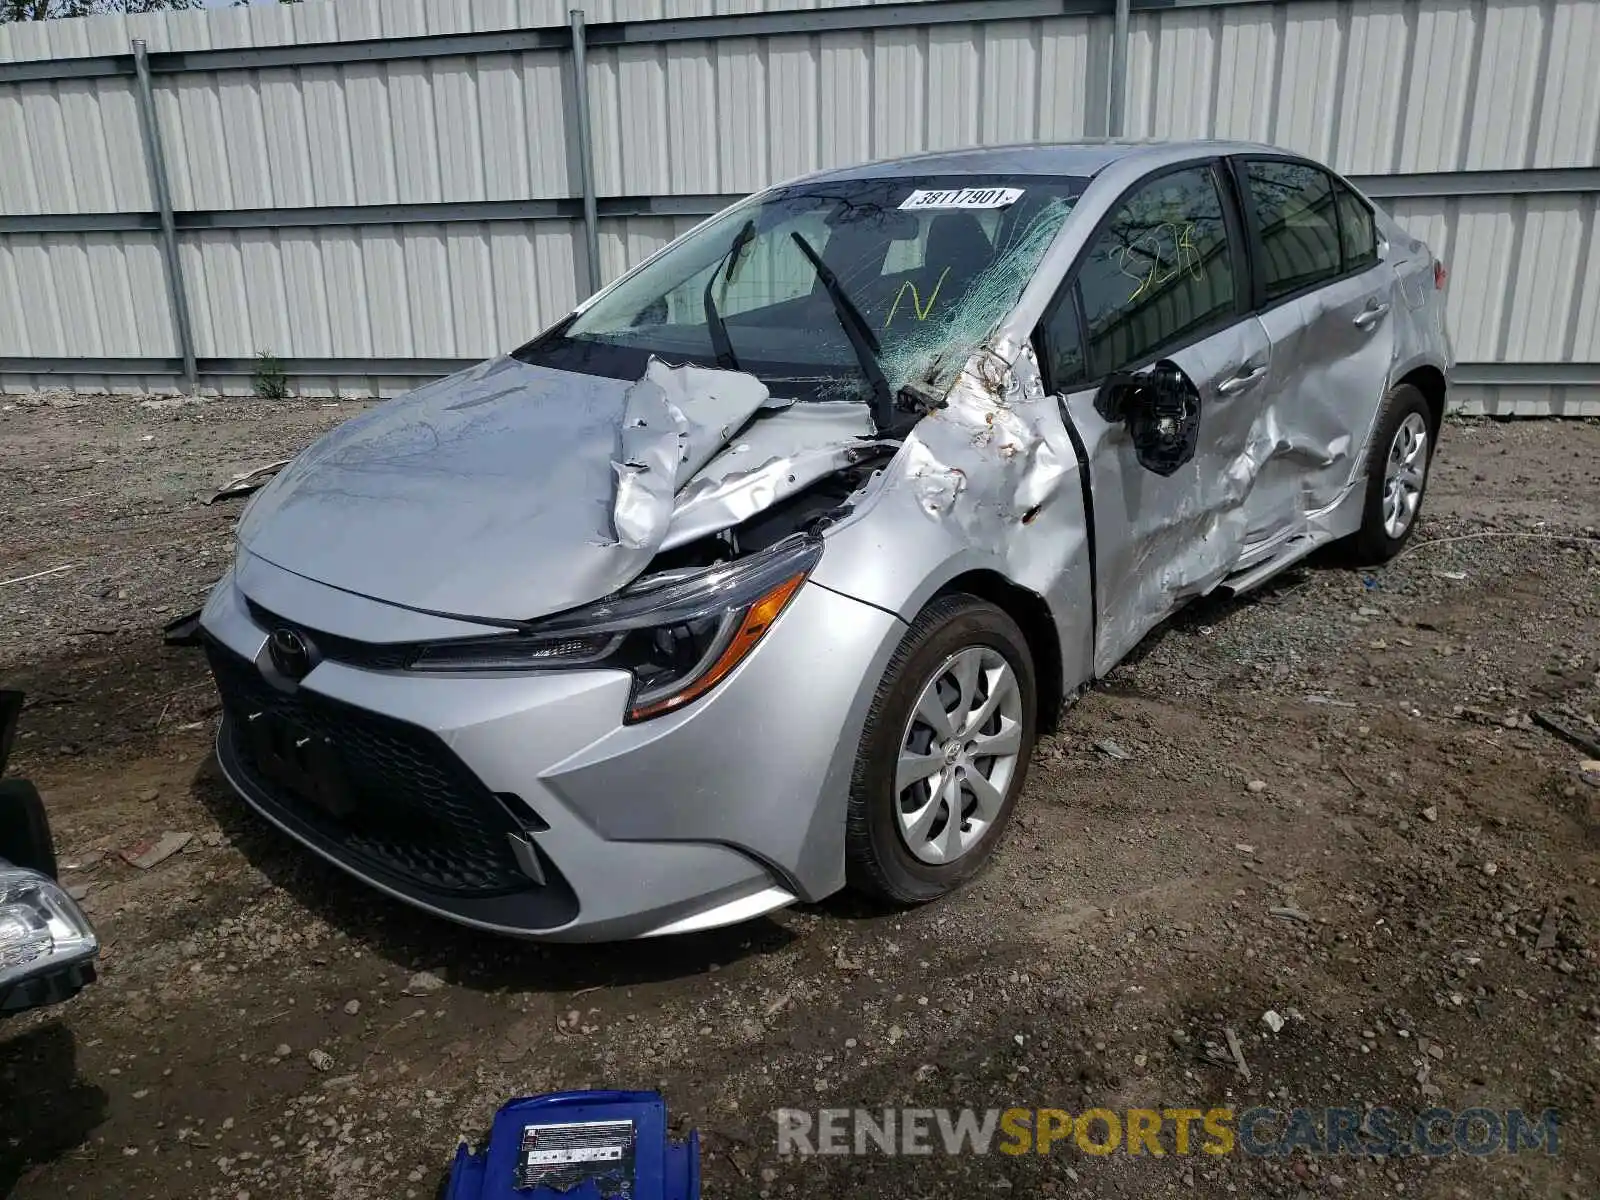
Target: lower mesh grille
(382,791)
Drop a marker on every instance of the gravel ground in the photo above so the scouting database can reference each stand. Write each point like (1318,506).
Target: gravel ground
(1352,750)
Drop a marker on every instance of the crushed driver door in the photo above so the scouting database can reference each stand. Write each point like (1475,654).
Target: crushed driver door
(1161,540)
(1158,366)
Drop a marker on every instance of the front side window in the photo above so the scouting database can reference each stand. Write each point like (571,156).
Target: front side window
(931,263)
(1160,272)
(1063,345)
(1298,224)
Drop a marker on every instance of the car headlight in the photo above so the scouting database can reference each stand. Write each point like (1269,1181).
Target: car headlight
(678,633)
(41,927)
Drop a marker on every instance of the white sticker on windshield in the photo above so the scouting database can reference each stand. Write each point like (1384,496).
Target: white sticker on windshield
(989,197)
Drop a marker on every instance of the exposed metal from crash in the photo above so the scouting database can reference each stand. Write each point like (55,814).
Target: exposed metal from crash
(990,456)
(782,453)
(674,421)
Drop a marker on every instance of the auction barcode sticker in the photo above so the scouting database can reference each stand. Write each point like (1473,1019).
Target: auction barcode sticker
(575,1154)
(986,197)
(564,1156)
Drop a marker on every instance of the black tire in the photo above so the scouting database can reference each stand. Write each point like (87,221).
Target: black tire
(878,861)
(25,838)
(1372,544)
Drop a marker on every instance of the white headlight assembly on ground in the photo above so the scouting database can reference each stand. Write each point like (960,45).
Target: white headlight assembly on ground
(43,933)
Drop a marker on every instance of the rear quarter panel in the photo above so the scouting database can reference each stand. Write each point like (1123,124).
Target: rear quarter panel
(1421,338)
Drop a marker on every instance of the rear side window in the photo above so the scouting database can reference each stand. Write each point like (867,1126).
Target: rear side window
(1298,223)
(1357,235)
(1159,273)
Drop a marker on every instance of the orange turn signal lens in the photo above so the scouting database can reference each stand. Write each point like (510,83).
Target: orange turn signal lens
(758,618)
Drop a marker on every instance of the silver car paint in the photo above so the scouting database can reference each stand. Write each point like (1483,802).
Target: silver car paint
(742,789)
(1421,339)
(643,840)
(763,764)
(1163,541)
(1328,375)
(485,494)
(1152,557)
(674,422)
(779,456)
(989,484)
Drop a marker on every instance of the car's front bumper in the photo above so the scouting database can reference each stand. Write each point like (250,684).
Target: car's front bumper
(729,808)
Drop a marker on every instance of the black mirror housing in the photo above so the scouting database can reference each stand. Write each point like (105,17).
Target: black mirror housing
(1161,408)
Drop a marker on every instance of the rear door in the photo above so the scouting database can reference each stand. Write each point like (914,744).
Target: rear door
(1163,280)
(1325,298)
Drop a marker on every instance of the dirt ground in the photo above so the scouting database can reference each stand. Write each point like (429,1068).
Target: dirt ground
(1351,749)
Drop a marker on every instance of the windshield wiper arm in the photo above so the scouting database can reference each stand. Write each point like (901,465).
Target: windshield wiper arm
(862,340)
(715,325)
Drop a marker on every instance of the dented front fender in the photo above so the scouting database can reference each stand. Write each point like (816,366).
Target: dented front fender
(989,483)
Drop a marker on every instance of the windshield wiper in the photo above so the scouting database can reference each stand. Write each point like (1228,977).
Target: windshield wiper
(715,325)
(862,340)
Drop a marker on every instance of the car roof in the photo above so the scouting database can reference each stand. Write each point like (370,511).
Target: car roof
(1078,159)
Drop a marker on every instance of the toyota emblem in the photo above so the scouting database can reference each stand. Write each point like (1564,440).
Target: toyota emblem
(291,654)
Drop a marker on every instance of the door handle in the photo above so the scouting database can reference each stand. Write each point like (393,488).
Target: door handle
(1370,316)
(1247,377)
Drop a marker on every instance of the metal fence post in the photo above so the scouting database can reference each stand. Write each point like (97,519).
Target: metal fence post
(1117,86)
(580,91)
(150,126)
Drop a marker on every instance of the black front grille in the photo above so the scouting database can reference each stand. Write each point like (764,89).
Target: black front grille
(414,809)
(374,656)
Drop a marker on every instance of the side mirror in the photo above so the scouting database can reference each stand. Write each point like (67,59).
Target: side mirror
(1118,396)
(1160,407)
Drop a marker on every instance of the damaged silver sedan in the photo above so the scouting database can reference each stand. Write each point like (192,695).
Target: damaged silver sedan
(758,575)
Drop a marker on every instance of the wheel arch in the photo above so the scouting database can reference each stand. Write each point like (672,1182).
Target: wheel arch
(1430,381)
(1032,614)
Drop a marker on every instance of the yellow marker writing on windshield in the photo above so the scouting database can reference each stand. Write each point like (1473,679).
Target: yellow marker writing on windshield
(922,310)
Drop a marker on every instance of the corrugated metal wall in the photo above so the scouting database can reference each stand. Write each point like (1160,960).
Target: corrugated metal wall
(414,201)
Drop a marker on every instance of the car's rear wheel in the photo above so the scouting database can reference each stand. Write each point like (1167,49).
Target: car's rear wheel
(944,753)
(1397,475)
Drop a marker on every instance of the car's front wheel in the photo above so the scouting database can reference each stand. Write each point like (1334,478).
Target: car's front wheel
(944,752)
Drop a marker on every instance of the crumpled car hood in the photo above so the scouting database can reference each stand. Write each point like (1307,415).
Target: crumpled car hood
(508,492)
(486,493)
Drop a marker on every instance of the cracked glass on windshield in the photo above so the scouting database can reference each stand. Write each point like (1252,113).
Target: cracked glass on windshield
(932,263)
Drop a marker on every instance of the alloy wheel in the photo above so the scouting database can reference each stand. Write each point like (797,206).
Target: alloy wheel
(958,755)
(1405,475)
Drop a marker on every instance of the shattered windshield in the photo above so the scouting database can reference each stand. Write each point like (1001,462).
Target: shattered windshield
(931,263)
